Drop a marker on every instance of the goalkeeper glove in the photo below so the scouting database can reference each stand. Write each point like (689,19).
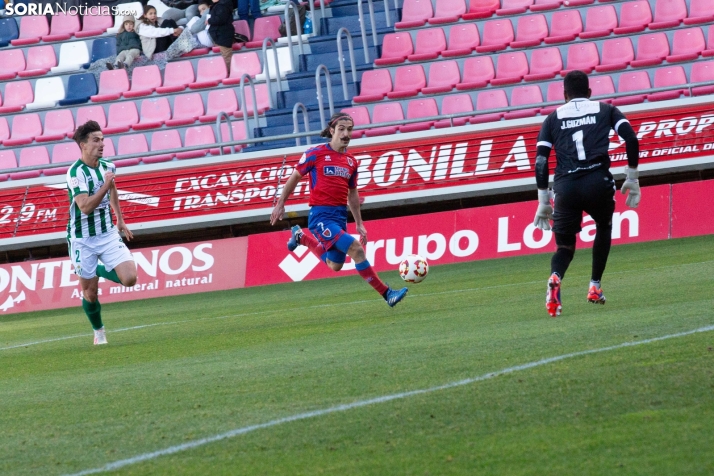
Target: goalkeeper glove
(544,212)
(632,186)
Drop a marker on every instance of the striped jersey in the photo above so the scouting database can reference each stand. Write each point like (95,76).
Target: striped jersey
(82,178)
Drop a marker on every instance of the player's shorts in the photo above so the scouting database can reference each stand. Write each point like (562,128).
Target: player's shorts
(107,247)
(592,193)
(329,226)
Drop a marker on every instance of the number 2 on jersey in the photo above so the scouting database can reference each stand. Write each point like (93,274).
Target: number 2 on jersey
(578,139)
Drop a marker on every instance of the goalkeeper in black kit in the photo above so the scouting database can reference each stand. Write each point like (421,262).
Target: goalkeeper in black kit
(579,130)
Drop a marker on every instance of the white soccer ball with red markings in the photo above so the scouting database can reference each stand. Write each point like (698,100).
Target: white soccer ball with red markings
(413,269)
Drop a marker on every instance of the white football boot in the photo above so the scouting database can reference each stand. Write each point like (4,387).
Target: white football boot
(100,337)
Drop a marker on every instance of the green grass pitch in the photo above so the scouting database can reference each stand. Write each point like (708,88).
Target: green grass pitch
(207,364)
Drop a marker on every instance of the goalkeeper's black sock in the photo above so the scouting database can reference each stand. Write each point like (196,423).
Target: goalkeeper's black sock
(561,260)
(601,250)
(110,275)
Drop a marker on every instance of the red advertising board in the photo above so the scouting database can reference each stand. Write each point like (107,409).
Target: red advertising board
(693,209)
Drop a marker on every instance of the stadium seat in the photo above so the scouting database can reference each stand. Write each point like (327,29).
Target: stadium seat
(497,35)
(177,76)
(447,11)
(199,135)
(209,73)
(103,48)
(4,129)
(602,87)
(408,81)
(8,161)
(187,109)
(154,113)
(666,77)
(710,43)
(702,72)
(71,57)
(443,77)
(430,43)
(491,99)
(478,72)
(360,117)
(57,125)
(554,93)
(525,96)
(12,61)
(481,9)
(668,14)
(419,108)
(513,7)
(40,59)
(31,156)
(632,81)
(565,26)
(144,81)
(634,17)
(163,140)
(94,25)
(91,113)
(545,64)
(395,48)
(543,5)
(220,100)
(32,29)
(463,39)
(415,13)
(122,115)
(109,150)
(455,104)
(48,92)
(583,57)
(239,133)
(17,95)
(245,63)
(131,144)
(134,8)
(510,68)
(112,84)
(64,26)
(242,27)
(599,21)
(65,152)
(8,31)
(687,45)
(80,87)
(265,27)
(700,11)
(617,53)
(261,98)
(374,86)
(385,112)
(25,127)
(531,30)
(652,49)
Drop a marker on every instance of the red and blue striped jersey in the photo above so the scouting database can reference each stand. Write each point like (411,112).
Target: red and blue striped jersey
(331,173)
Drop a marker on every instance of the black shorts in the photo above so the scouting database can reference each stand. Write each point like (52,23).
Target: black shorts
(592,193)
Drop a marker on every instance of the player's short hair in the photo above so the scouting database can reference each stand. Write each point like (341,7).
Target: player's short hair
(576,84)
(338,116)
(83,131)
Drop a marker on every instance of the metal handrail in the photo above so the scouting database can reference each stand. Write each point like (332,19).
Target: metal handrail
(220,116)
(243,79)
(373,25)
(330,102)
(267,68)
(350,46)
(305,120)
(288,30)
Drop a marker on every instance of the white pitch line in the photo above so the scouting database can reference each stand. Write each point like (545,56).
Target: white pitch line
(372,401)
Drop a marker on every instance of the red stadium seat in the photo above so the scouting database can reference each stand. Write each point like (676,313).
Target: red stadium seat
(531,30)
(543,5)
(242,27)
(545,64)
(497,35)
(63,27)
(209,73)
(415,13)
(360,117)
(455,104)
(710,43)
(666,77)
(448,11)
(187,109)
(513,7)
(199,135)
(617,53)
(554,93)
(163,140)
(4,129)
(408,81)
(668,14)
(634,17)
(111,85)
(700,11)
(58,124)
(31,156)
(687,45)
(109,147)
(565,26)
(17,95)
(94,25)
(525,96)
(122,115)
(244,63)
(599,21)
(651,50)
(131,144)
(261,98)
(154,113)
(583,57)
(443,77)
(702,72)
(177,76)
(478,72)
(40,59)
(92,113)
(632,81)
(144,81)
(419,108)
(395,48)
(219,100)
(12,61)
(63,153)
(510,68)
(602,87)
(430,43)
(265,27)
(375,85)
(491,99)
(32,29)
(7,162)
(239,133)
(25,128)
(385,112)
(481,9)
(463,39)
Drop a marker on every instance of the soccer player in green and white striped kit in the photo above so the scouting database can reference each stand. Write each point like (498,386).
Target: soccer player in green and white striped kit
(91,234)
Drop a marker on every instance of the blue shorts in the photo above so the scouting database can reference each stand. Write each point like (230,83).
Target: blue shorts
(329,226)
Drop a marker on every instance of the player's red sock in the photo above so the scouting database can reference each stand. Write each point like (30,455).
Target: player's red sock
(312,244)
(367,272)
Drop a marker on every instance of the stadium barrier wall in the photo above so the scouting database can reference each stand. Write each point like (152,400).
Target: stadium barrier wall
(666,211)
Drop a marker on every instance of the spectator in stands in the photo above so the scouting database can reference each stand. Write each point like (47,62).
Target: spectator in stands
(128,45)
(151,31)
(245,5)
(181,11)
(198,26)
(220,27)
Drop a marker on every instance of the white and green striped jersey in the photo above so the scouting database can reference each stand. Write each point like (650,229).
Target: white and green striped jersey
(82,178)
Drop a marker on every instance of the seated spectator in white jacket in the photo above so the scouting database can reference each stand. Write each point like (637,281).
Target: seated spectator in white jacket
(156,36)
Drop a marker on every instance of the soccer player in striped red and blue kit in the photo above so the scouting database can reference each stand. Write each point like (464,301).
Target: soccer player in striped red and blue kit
(333,187)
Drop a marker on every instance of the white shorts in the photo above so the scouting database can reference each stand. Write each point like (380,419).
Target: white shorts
(108,247)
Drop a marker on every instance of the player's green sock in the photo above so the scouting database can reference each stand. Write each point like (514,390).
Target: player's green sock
(110,275)
(93,310)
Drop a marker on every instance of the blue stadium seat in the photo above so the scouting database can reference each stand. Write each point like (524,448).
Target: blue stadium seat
(80,88)
(8,31)
(103,48)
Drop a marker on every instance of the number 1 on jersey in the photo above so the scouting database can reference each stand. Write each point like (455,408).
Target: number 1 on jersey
(578,139)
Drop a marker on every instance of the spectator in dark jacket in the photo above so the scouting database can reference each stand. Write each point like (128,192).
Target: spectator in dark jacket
(128,45)
(220,27)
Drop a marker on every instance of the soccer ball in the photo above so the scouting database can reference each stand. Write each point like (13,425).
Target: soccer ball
(413,269)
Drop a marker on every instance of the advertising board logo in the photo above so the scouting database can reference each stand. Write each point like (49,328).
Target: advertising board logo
(297,270)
